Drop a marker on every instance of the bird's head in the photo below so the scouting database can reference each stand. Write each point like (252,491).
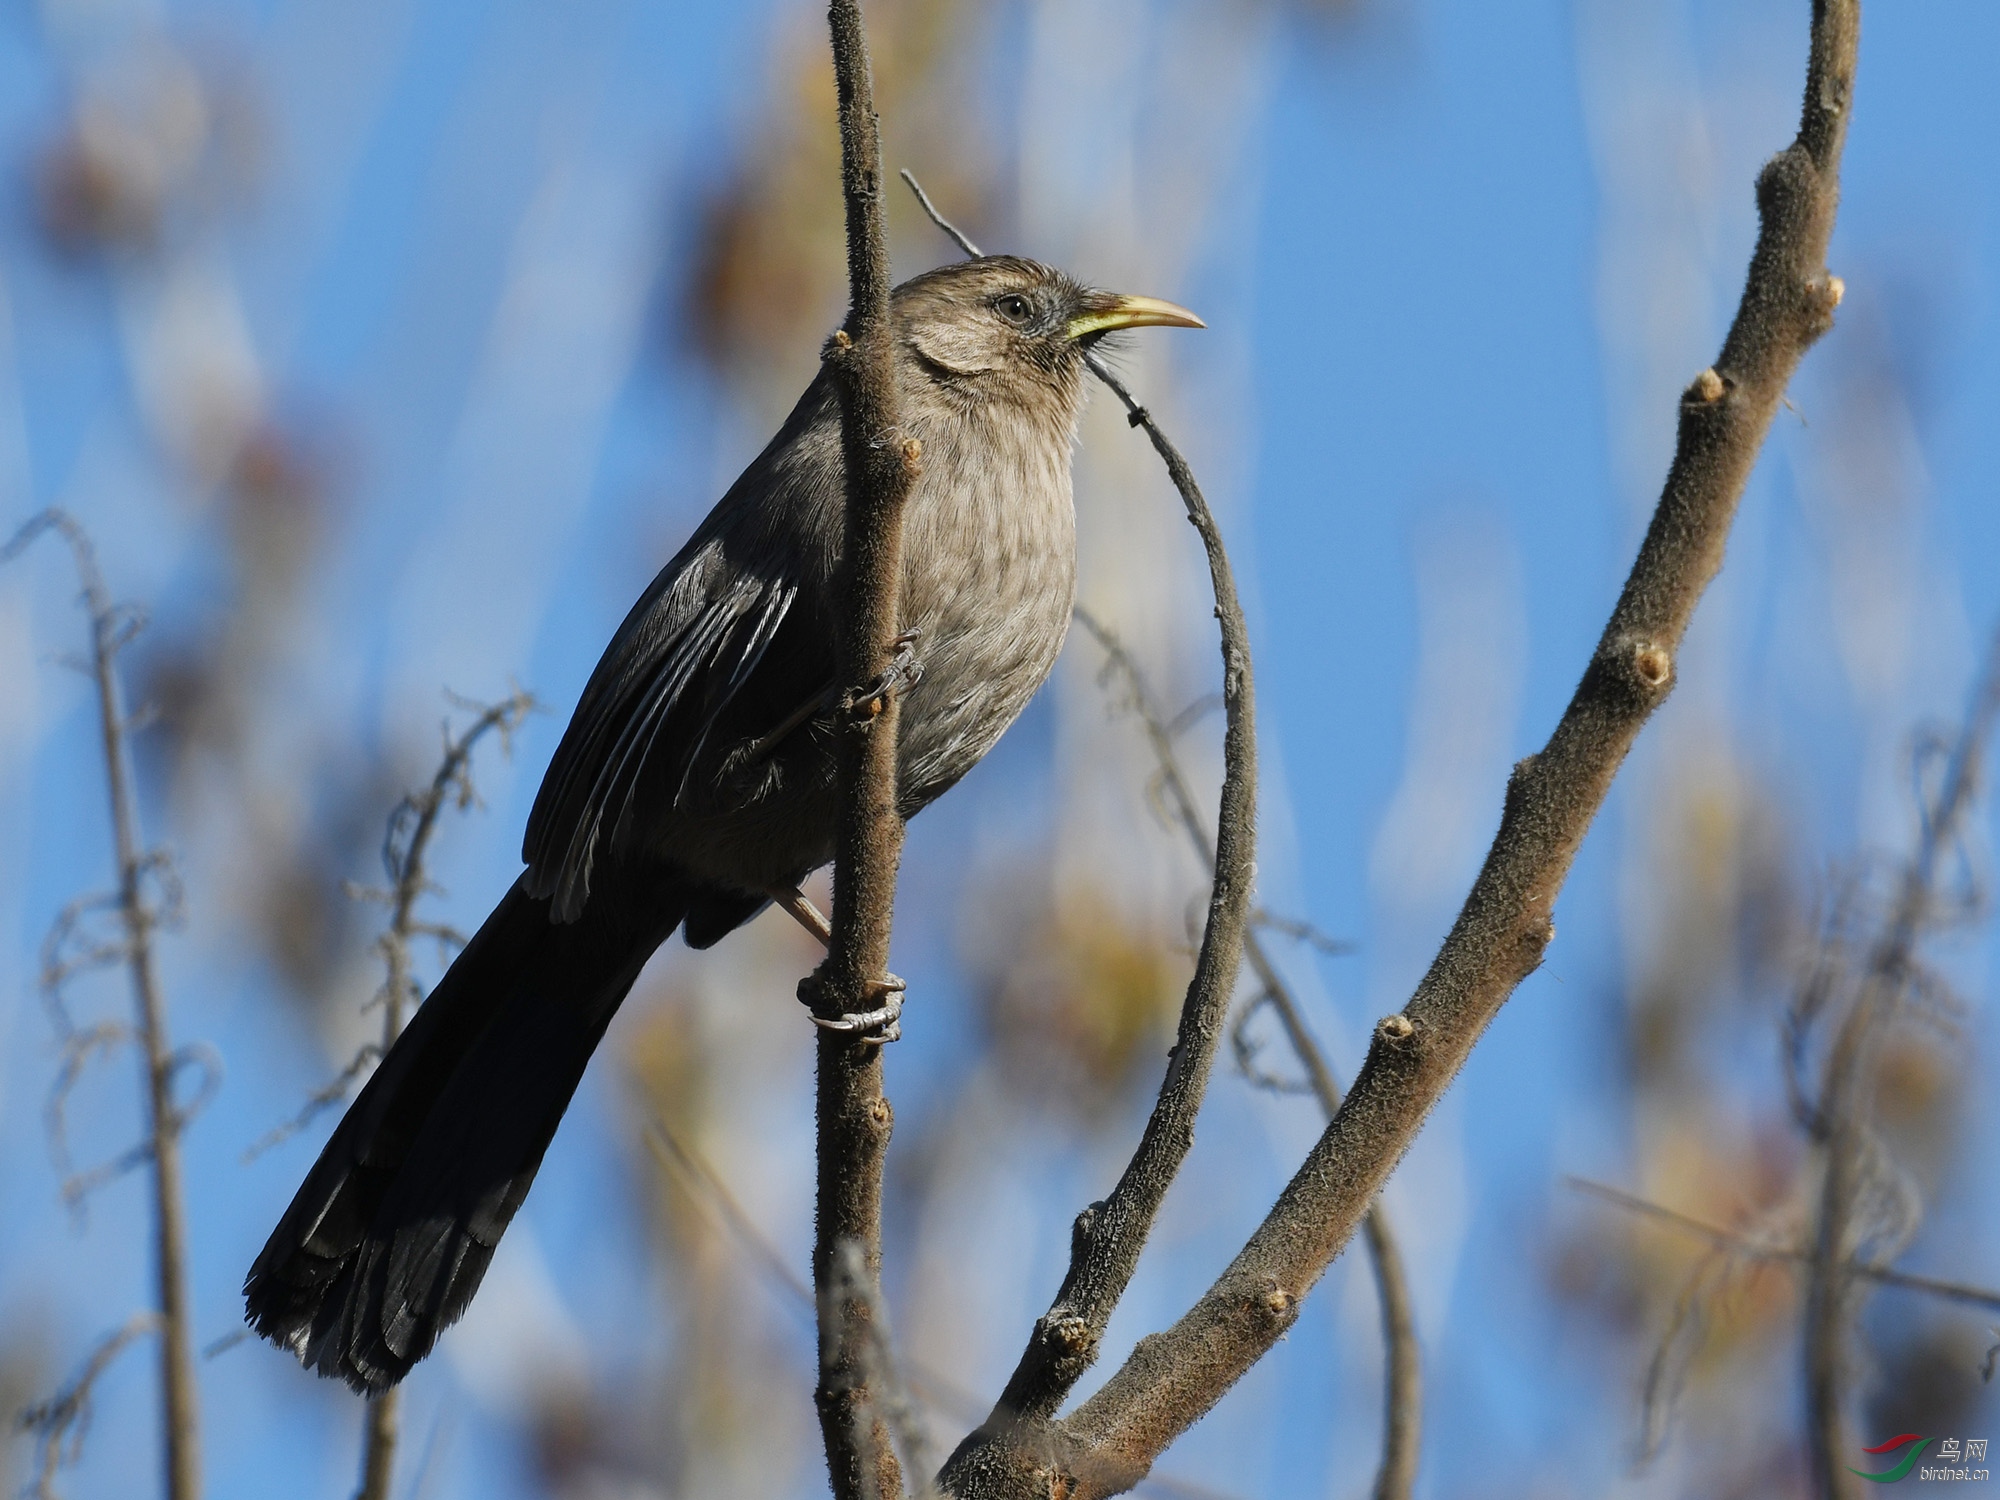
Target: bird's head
(1000,327)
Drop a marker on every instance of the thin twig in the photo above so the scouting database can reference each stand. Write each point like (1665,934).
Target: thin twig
(405,852)
(853,1117)
(727,1214)
(405,856)
(329,1094)
(1301,932)
(1506,924)
(971,250)
(1751,1248)
(61,1422)
(1844,1103)
(140,917)
(1402,1415)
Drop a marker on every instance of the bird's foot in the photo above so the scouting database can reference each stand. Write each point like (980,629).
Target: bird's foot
(902,674)
(871,1027)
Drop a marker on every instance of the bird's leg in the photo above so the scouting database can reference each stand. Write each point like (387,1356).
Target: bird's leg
(810,709)
(871,1027)
(902,674)
(883,1023)
(792,902)
(888,989)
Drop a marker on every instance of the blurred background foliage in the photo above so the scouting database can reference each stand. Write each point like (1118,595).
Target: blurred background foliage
(388,348)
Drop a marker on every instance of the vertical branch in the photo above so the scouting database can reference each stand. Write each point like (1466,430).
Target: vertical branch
(1842,1112)
(378,1446)
(181,1437)
(110,629)
(853,1117)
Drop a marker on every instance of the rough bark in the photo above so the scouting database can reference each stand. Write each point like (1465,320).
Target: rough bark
(854,1117)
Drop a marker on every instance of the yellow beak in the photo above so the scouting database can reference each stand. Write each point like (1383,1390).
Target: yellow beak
(1132,312)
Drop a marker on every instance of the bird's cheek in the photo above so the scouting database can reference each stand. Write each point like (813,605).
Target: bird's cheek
(958,351)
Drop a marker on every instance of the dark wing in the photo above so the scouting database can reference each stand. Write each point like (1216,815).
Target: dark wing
(698,645)
(683,655)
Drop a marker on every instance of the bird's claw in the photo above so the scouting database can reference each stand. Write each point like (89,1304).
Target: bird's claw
(902,674)
(870,1027)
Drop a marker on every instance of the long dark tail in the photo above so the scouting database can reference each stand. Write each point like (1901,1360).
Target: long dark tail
(387,1239)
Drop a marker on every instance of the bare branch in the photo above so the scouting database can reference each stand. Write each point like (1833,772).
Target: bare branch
(61,1423)
(141,914)
(1751,1248)
(378,1446)
(327,1096)
(1403,1384)
(1172,1378)
(1016,1441)
(1301,932)
(1666,1371)
(1856,1172)
(852,1293)
(405,855)
(853,1117)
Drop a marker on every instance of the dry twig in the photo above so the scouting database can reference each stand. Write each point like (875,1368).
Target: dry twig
(1751,1247)
(852,1293)
(1506,924)
(404,850)
(1864,1215)
(61,1423)
(1402,1413)
(1109,1235)
(147,898)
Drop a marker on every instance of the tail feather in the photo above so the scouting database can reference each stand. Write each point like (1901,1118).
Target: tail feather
(387,1239)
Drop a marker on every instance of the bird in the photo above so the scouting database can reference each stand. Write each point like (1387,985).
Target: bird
(695,785)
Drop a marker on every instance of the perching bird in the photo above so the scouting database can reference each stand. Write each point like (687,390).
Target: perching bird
(695,785)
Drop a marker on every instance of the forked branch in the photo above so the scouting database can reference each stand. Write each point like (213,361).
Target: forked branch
(1506,924)
(139,916)
(1402,1410)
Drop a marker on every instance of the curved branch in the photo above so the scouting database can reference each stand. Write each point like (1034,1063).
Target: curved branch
(1108,1236)
(1402,1396)
(1172,1378)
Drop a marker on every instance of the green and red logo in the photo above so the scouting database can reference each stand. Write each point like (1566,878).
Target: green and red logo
(1909,1460)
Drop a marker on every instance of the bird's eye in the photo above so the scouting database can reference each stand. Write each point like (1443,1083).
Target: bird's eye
(1014,308)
